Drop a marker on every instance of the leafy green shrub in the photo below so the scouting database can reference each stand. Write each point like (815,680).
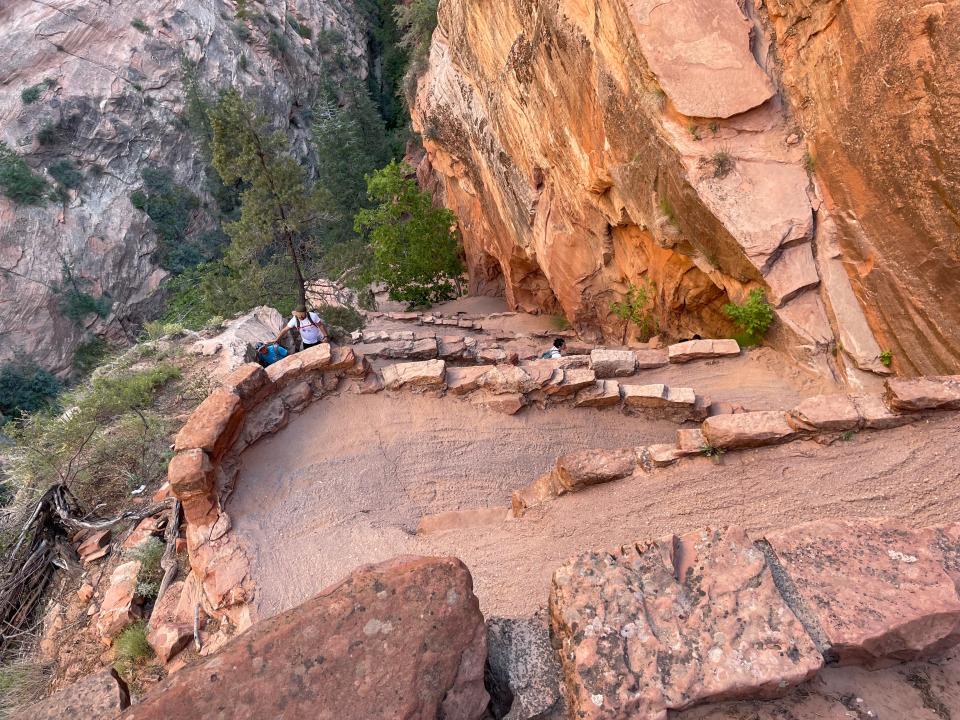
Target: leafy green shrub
(415,245)
(66,173)
(278,43)
(17,181)
(25,389)
(241,31)
(753,317)
(301,30)
(809,162)
(89,354)
(886,358)
(140,25)
(31,94)
(638,308)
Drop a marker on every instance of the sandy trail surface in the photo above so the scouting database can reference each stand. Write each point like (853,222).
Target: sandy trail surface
(347,482)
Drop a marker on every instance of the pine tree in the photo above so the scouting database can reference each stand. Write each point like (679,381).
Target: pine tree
(280,208)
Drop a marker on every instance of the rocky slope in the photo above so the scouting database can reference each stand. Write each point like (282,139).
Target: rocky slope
(711,147)
(110,100)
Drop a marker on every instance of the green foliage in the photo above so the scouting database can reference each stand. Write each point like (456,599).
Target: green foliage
(66,173)
(667,209)
(149,553)
(17,181)
(848,435)
(156,329)
(345,318)
(712,451)
(107,440)
(886,358)
(73,300)
(278,43)
(809,162)
(242,9)
(25,388)
(638,308)
(416,21)
(47,134)
(301,30)
(140,25)
(89,354)
(131,648)
(694,131)
(170,207)
(242,31)
(753,316)
(559,322)
(415,245)
(279,206)
(31,94)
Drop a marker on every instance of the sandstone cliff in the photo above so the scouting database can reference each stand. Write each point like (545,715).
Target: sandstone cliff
(111,101)
(710,147)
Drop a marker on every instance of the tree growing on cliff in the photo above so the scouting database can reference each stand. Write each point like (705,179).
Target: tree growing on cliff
(279,207)
(416,248)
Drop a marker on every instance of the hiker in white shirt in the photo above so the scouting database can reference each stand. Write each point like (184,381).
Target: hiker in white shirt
(308,324)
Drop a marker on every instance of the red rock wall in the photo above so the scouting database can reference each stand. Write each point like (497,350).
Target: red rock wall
(578,143)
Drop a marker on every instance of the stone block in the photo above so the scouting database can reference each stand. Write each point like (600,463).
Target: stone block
(506,403)
(510,379)
(669,624)
(749,429)
(690,441)
(613,363)
(575,471)
(603,393)
(873,587)
(876,415)
(702,349)
(266,419)
(422,375)
(663,454)
(213,426)
(294,367)
(648,359)
(568,382)
(250,383)
(401,639)
(341,358)
(923,393)
(464,380)
(830,413)
(170,628)
(296,396)
(190,474)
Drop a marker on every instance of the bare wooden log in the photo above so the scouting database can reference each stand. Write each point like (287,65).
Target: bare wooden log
(169,560)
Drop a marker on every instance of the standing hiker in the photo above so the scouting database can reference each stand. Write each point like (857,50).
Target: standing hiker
(308,324)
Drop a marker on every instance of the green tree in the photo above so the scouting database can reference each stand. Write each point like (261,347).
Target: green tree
(17,181)
(25,388)
(279,207)
(415,245)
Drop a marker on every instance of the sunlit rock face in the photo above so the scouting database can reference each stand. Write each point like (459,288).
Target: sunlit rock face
(585,146)
(111,100)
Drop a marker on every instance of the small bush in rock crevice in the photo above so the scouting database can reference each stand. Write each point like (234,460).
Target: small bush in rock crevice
(754,316)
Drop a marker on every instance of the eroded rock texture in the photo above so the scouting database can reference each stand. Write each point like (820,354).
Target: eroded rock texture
(589,145)
(111,102)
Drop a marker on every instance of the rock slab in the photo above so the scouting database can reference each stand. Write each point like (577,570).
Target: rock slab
(750,429)
(402,639)
(702,349)
(673,623)
(426,374)
(924,393)
(613,363)
(875,588)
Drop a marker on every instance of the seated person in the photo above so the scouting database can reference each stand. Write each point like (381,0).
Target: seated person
(555,351)
(269,354)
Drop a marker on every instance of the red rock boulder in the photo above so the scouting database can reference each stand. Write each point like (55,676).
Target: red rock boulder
(403,639)
(101,696)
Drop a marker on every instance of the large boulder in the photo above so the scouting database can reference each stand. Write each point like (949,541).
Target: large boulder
(672,623)
(402,639)
(213,426)
(235,344)
(875,589)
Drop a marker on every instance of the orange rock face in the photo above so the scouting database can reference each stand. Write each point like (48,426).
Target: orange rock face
(590,146)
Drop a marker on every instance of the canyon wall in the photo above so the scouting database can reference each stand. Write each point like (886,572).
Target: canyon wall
(687,146)
(111,101)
